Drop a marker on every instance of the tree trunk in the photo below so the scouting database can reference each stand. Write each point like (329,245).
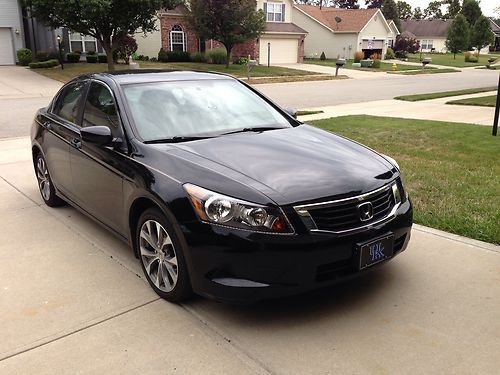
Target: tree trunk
(106,45)
(228,55)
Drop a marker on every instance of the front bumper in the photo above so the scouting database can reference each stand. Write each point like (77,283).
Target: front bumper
(243,267)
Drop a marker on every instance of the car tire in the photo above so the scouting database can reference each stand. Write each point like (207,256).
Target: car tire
(45,185)
(161,254)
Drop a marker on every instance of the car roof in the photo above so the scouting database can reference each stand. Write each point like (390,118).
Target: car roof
(125,77)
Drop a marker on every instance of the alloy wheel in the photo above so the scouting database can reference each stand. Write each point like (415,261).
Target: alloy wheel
(158,255)
(43,178)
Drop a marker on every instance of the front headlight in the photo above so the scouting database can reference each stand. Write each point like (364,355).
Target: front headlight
(220,209)
(392,161)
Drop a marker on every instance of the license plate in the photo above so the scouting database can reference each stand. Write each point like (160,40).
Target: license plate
(375,251)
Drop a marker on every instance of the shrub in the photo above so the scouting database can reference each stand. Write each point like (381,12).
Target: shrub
(358,56)
(467,55)
(102,58)
(178,56)
(53,55)
(25,56)
(91,53)
(77,51)
(162,55)
(92,59)
(241,60)
(473,59)
(389,54)
(145,58)
(323,56)
(217,56)
(42,56)
(376,64)
(116,56)
(44,64)
(405,45)
(126,47)
(73,57)
(153,59)
(376,56)
(198,57)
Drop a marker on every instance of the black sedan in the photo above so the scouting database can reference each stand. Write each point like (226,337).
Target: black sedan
(217,189)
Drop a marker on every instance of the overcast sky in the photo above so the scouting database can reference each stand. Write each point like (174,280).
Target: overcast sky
(486,5)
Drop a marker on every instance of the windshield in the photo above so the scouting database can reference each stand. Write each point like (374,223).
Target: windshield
(167,110)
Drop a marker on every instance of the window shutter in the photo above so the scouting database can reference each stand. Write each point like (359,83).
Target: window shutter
(265,9)
(282,12)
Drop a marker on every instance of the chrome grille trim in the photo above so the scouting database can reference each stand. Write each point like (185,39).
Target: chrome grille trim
(303,211)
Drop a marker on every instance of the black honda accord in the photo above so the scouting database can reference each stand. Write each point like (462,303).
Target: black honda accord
(217,189)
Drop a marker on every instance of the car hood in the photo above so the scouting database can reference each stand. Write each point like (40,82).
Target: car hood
(292,165)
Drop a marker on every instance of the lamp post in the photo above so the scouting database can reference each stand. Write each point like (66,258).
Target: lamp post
(59,44)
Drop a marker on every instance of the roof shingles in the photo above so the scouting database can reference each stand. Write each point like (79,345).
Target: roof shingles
(352,20)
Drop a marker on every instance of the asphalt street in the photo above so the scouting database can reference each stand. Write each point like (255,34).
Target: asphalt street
(73,299)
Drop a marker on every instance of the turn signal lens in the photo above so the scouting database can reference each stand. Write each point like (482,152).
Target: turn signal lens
(220,209)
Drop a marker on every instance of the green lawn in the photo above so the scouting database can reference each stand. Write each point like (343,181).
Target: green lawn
(72,70)
(451,170)
(427,70)
(483,101)
(443,94)
(384,67)
(448,60)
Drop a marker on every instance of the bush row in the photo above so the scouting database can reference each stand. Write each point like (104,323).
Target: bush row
(44,64)
(213,56)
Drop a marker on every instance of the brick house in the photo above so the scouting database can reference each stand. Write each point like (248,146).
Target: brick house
(282,38)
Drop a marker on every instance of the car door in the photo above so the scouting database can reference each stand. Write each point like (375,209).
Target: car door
(96,168)
(60,123)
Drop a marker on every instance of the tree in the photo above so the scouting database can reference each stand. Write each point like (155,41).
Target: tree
(227,21)
(433,11)
(481,34)
(458,35)
(453,9)
(404,10)
(106,20)
(417,13)
(405,44)
(374,3)
(471,10)
(347,4)
(390,12)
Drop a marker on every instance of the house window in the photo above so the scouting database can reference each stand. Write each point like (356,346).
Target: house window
(82,43)
(275,12)
(426,44)
(177,39)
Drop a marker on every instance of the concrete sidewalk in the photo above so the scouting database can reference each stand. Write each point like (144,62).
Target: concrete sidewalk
(435,109)
(73,300)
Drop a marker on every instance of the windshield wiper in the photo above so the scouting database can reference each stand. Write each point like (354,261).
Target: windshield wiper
(176,139)
(254,129)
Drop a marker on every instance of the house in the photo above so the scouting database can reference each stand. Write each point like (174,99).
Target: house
(18,30)
(495,28)
(281,42)
(341,32)
(391,37)
(430,33)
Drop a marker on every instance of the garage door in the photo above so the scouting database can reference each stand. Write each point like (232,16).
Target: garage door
(283,51)
(6,50)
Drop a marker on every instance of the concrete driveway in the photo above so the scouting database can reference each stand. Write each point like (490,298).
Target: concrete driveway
(73,299)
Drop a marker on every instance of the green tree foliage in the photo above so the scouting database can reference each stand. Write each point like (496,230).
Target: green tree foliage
(404,10)
(390,12)
(471,10)
(347,4)
(417,13)
(458,35)
(453,8)
(374,3)
(433,11)
(481,34)
(106,20)
(228,21)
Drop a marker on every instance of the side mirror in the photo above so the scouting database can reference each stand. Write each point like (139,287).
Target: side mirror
(99,135)
(292,112)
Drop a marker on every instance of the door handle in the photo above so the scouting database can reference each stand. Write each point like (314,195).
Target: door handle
(76,143)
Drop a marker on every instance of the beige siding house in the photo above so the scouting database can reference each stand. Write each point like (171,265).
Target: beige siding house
(341,32)
(430,33)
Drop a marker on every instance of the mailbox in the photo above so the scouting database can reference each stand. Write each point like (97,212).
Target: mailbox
(340,62)
(491,60)
(425,61)
(250,64)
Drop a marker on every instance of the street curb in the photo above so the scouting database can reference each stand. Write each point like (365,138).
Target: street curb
(455,237)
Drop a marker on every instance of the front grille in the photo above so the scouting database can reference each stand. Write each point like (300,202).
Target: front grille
(344,215)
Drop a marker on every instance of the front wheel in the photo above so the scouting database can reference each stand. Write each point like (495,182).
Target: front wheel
(162,257)
(45,184)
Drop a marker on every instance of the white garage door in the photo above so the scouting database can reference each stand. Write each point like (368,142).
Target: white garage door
(6,50)
(283,51)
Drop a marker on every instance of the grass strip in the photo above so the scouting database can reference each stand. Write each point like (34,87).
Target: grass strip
(443,94)
(483,101)
(451,170)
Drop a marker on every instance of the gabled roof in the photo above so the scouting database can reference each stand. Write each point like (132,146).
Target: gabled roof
(393,26)
(495,28)
(353,20)
(419,28)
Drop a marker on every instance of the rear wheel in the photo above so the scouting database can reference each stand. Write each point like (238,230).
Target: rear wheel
(162,256)
(45,184)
